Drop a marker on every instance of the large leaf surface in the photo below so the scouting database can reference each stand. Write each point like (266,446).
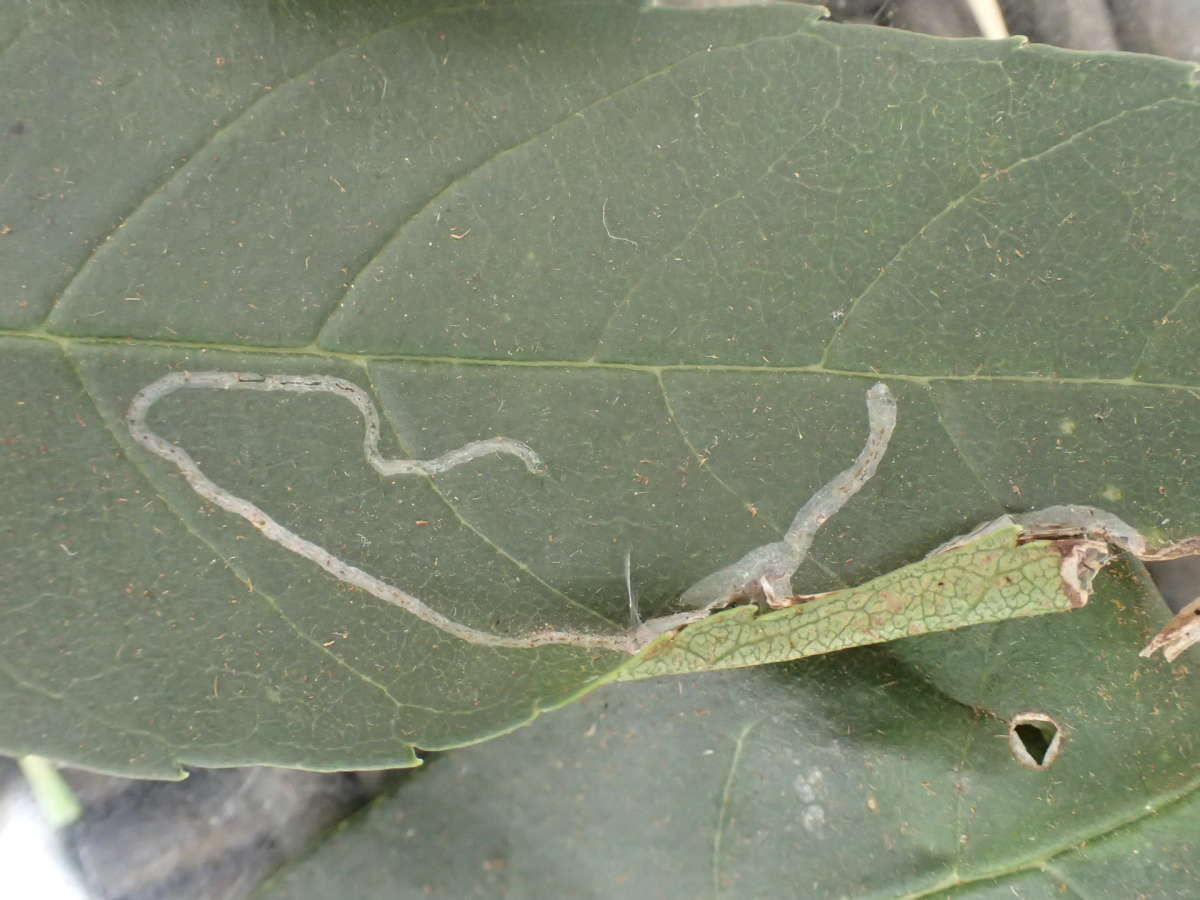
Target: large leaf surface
(871,773)
(668,250)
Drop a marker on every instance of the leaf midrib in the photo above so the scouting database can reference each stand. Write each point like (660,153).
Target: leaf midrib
(314,352)
(1078,842)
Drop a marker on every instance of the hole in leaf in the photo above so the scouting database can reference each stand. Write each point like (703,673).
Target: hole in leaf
(1035,740)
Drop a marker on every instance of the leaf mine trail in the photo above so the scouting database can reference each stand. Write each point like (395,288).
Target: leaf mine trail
(142,402)
(764,574)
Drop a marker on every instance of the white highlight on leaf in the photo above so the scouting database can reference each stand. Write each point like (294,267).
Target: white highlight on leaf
(289,540)
(810,789)
(607,230)
(635,617)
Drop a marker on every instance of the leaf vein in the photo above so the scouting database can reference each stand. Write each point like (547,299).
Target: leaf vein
(484,538)
(131,455)
(723,810)
(966,460)
(956,202)
(264,96)
(395,234)
(1153,330)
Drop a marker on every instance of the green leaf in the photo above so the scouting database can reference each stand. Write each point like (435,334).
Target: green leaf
(879,772)
(989,579)
(667,251)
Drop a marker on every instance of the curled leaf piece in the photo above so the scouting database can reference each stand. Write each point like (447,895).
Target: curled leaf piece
(991,577)
(1097,524)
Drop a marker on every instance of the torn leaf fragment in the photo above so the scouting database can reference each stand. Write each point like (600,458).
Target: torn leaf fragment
(1179,634)
(989,579)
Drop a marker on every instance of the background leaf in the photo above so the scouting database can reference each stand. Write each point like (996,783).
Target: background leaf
(668,250)
(882,772)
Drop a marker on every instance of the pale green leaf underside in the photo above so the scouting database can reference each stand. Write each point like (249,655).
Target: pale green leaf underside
(989,580)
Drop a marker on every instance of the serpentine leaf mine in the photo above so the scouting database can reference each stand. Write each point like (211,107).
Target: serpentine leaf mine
(1014,566)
